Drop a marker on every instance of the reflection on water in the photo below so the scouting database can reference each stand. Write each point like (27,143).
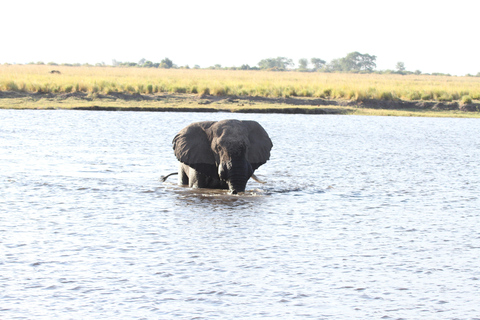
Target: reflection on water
(361,218)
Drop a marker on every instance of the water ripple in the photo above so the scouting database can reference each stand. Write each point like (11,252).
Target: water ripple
(368,218)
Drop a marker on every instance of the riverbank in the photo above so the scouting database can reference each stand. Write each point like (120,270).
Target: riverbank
(152,89)
(242,104)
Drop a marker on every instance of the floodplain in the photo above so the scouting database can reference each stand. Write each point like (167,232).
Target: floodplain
(123,88)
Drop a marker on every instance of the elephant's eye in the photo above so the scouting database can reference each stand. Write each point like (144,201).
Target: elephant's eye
(217,148)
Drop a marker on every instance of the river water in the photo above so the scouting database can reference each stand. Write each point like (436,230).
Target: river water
(360,218)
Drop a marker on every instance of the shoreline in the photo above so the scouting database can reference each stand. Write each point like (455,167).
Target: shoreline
(234,104)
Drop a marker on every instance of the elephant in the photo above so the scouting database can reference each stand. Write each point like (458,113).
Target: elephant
(221,154)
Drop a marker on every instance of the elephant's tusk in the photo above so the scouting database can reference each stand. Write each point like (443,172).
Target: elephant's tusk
(254,177)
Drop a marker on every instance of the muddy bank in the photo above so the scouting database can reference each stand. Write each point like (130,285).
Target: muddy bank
(297,110)
(208,103)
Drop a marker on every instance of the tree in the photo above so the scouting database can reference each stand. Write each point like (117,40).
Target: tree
(166,63)
(303,65)
(128,64)
(335,65)
(368,62)
(147,64)
(267,63)
(279,63)
(351,61)
(358,62)
(317,63)
(400,66)
(354,61)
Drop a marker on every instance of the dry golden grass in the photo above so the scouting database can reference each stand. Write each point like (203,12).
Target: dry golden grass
(105,80)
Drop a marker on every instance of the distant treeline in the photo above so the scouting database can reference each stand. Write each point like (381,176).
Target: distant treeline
(354,62)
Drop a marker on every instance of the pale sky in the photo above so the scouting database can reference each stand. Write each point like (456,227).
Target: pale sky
(430,36)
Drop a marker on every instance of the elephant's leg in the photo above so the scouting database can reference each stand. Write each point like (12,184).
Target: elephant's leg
(191,177)
(194,179)
(197,180)
(183,174)
(216,184)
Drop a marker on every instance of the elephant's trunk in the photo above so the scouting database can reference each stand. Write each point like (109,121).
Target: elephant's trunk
(237,183)
(237,175)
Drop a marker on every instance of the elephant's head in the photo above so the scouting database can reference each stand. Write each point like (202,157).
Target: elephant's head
(228,150)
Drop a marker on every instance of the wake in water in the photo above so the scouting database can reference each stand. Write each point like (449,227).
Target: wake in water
(267,189)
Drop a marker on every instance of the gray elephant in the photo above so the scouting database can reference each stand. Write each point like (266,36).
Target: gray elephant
(221,155)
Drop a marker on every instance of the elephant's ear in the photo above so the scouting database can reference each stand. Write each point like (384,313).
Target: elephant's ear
(260,144)
(193,147)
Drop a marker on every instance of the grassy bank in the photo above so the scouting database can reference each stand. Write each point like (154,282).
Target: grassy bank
(345,93)
(194,103)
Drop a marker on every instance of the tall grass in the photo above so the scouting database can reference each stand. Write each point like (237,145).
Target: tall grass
(108,80)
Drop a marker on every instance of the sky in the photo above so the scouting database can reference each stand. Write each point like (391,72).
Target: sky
(430,36)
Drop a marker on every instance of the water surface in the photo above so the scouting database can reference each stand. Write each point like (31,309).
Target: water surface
(361,218)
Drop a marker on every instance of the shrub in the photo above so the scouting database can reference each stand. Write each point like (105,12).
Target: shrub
(339,94)
(350,94)
(386,95)
(205,91)
(22,87)
(11,86)
(129,89)
(94,89)
(93,95)
(161,88)
(108,90)
(360,96)
(466,100)
(427,96)
(443,96)
(456,96)
(305,93)
(277,92)
(218,91)
(55,88)
(81,87)
(475,96)
(178,89)
(291,92)
(415,95)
